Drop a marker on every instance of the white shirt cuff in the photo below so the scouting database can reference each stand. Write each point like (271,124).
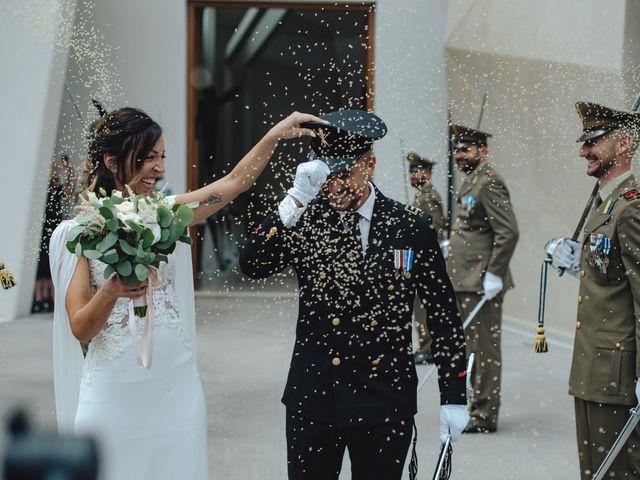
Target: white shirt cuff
(289,212)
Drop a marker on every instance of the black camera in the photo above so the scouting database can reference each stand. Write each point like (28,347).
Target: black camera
(47,456)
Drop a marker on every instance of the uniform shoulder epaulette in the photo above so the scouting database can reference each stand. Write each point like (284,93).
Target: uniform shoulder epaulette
(412,210)
(631,194)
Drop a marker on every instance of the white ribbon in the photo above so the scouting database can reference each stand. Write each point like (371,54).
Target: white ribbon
(143,350)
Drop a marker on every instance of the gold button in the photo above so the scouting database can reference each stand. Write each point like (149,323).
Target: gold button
(584,247)
(579,298)
(582,273)
(335,322)
(374,323)
(578,324)
(618,346)
(335,361)
(479,257)
(391,288)
(322,275)
(375,362)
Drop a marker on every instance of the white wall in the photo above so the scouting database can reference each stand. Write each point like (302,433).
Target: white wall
(410,90)
(33,34)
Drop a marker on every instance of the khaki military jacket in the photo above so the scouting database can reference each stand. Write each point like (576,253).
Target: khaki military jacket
(429,201)
(485,232)
(605,361)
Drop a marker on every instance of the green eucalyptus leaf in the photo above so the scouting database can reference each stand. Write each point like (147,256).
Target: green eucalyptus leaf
(106,212)
(124,268)
(111,256)
(164,234)
(112,224)
(126,247)
(78,251)
(147,238)
(141,272)
(92,254)
(74,233)
(185,215)
(165,216)
(107,242)
(109,271)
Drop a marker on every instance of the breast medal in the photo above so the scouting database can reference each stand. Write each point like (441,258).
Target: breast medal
(599,249)
(403,262)
(468,204)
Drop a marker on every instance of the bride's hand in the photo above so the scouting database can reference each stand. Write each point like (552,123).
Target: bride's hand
(290,126)
(116,288)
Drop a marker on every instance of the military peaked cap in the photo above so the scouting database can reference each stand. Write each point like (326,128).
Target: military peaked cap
(348,136)
(462,137)
(414,159)
(598,120)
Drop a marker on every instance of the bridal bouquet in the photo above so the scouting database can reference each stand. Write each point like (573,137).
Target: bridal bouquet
(131,235)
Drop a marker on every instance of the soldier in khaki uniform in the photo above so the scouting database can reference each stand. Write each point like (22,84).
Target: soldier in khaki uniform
(482,242)
(429,201)
(606,364)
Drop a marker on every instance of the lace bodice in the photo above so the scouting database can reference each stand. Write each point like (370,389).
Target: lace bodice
(114,338)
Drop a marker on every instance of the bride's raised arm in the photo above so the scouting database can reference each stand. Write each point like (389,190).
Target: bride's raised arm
(216,195)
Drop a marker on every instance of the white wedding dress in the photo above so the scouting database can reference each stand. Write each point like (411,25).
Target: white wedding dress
(150,423)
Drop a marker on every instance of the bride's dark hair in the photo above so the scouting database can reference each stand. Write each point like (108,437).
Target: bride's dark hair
(130,135)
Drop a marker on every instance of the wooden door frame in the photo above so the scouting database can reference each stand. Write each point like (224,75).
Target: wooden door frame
(193,54)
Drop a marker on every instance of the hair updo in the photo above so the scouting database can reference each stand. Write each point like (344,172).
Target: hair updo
(129,134)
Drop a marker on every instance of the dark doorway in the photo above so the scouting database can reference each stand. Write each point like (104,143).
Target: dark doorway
(249,67)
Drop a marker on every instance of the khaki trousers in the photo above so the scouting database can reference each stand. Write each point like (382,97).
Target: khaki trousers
(483,339)
(597,426)
(424,338)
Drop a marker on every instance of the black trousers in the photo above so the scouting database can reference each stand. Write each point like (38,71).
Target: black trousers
(315,449)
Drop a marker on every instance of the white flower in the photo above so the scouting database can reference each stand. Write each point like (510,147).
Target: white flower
(133,216)
(126,207)
(148,213)
(94,201)
(168,201)
(117,193)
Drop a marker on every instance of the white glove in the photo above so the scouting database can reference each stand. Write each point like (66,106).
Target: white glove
(444,246)
(310,176)
(453,419)
(567,255)
(492,285)
(638,389)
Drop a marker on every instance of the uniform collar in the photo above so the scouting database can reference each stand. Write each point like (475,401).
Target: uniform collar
(608,189)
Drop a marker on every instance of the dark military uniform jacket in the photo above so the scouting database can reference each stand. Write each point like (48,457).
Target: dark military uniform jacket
(428,200)
(485,232)
(605,360)
(352,362)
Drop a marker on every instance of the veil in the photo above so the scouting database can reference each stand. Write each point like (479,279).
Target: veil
(67,353)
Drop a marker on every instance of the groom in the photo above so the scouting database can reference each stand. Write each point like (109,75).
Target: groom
(360,258)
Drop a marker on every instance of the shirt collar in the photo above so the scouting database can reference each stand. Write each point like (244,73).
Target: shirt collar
(366,209)
(613,184)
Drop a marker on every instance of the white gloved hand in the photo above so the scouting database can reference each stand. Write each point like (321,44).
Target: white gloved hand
(492,285)
(310,176)
(638,389)
(453,419)
(444,246)
(567,256)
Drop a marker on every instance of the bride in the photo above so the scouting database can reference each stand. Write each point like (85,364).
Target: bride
(150,423)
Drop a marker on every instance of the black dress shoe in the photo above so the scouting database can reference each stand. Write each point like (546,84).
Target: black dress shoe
(473,428)
(420,358)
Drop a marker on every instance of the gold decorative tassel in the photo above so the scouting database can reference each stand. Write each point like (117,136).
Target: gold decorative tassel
(6,277)
(541,345)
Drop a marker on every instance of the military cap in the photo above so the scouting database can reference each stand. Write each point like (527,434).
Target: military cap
(346,138)
(462,137)
(598,120)
(418,160)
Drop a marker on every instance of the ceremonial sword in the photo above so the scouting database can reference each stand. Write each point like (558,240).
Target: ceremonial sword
(619,443)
